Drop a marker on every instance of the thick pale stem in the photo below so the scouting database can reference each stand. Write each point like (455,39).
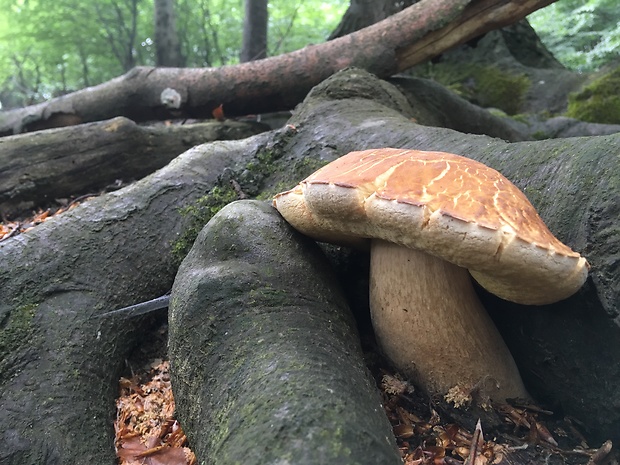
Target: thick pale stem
(430,323)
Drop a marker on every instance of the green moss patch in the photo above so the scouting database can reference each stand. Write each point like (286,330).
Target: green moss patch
(267,174)
(599,102)
(200,212)
(15,329)
(501,90)
(485,86)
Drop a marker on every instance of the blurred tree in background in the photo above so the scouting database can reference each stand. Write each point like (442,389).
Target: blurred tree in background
(255,26)
(167,45)
(49,48)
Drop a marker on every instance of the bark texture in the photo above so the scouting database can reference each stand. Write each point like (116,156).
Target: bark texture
(397,43)
(58,368)
(37,168)
(264,352)
(59,363)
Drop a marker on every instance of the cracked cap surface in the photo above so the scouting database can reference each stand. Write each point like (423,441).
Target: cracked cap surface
(450,206)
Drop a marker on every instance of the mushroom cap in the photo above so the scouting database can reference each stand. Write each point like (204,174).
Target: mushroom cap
(449,206)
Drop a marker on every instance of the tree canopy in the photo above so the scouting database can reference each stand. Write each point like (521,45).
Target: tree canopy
(583,35)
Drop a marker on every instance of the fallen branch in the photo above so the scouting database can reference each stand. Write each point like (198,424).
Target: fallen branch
(417,33)
(86,158)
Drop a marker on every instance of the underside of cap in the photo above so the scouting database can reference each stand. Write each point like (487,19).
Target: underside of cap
(449,206)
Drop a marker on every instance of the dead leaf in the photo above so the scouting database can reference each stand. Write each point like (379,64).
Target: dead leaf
(146,431)
(218,112)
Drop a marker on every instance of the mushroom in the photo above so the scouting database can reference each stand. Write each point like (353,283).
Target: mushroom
(433,219)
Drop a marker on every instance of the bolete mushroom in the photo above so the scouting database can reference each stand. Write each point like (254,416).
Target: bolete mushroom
(430,217)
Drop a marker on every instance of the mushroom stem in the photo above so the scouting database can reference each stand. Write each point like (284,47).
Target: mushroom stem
(430,323)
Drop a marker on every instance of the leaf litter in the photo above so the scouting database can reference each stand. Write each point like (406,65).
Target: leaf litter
(146,430)
(427,431)
(441,431)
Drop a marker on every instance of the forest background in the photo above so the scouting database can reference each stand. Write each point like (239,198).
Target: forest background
(50,48)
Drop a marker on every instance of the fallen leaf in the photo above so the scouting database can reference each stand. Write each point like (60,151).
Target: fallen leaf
(218,112)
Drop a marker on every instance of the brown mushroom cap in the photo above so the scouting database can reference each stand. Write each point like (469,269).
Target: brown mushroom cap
(449,206)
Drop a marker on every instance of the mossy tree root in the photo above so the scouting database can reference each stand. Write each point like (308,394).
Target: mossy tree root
(266,362)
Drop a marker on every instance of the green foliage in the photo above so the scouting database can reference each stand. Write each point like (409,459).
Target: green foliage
(583,35)
(48,48)
(293,25)
(210,31)
(599,102)
(51,48)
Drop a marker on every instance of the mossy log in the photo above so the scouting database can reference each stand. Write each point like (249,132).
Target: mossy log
(58,163)
(265,359)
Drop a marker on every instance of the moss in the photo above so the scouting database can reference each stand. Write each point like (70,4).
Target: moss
(598,102)
(306,166)
(486,86)
(521,118)
(252,176)
(247,181)
(270,193)
(533,195)
(335,440)
(15,329)
(222,420)
(268,296)
(301,169)
(502,90)
(540,135)
(250,180)
(499,113)
(200,212)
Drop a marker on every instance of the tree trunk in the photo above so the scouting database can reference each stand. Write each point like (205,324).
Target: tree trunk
(59,363)
(254,45)
(397,43)
(363,13)
(167,44)
(74,161)
(265,361)
(526,47)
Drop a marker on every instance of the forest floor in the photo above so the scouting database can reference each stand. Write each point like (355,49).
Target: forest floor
(454,430)
(427,431)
